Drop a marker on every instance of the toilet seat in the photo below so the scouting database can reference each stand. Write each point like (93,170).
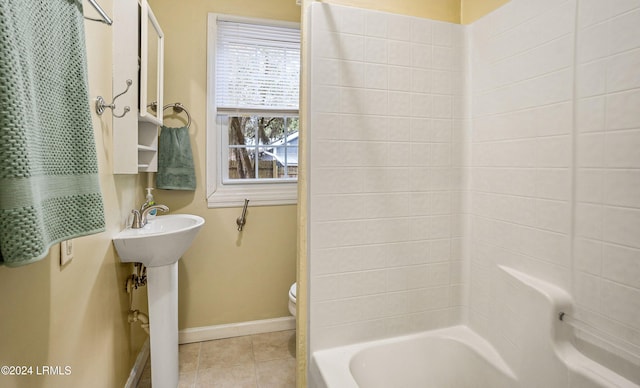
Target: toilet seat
(292,299)
(292,292)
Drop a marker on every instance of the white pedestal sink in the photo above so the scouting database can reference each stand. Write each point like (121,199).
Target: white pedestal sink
(159,245)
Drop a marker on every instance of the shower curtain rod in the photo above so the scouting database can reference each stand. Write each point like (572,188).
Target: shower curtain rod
(105,18)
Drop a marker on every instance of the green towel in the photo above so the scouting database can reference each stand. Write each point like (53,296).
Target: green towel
(49,188)
(175,160)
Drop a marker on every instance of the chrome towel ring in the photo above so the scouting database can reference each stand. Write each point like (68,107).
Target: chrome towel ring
(177,108)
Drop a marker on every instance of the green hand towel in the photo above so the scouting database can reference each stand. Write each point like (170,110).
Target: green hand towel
(175,160)
(49,188)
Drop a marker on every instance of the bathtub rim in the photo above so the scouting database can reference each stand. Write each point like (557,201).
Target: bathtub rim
(331,367)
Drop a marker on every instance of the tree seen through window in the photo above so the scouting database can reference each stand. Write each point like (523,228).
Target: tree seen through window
(263,147)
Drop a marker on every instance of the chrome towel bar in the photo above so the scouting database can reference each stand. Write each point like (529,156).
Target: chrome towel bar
(105,18)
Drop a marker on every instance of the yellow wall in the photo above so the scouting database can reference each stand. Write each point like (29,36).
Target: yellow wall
(302,287)
(472,10)
(77,315)
(455,11)
(446,10)
(225,277)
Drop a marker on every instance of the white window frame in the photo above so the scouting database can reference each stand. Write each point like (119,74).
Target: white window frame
(220,194)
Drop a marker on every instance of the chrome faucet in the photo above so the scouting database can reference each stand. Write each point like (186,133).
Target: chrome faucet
(140,216)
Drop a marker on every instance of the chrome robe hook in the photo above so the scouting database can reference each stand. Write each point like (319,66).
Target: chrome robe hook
(101,104)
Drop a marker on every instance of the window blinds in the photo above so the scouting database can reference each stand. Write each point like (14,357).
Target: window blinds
(257,66)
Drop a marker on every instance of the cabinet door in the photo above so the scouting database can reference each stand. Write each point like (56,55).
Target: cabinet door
(151,88)
(151,66)
(125,67)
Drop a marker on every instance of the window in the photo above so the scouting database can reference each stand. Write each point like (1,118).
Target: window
(252,111)
(260,148)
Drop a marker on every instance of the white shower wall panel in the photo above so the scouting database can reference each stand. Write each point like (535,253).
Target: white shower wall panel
(555,165)
(521,158)
(386,175)
(607,242)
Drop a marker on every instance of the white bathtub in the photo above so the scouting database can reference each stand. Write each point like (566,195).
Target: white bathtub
(451,357)
(457,357)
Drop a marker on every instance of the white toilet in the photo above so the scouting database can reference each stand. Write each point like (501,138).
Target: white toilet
(292,299)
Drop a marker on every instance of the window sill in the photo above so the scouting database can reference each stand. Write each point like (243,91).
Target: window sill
(258,194)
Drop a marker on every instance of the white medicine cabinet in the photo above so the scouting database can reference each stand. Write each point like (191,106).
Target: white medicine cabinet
(138,55)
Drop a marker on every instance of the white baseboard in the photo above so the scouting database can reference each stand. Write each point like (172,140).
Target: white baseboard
(208,333)
(138,366)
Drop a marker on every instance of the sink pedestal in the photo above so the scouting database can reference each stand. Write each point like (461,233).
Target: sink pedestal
(162,283)
(159,245)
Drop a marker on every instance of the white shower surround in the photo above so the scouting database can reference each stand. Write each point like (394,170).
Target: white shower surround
(413,205)
(384,175)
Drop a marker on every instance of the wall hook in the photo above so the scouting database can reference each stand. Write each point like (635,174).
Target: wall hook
(240,221)
(101,104)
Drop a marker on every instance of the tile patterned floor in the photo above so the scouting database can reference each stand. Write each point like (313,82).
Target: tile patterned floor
(256,361)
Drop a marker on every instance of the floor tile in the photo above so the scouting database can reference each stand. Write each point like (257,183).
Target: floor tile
(256,361)
(187,379)
(189,354)
(226,352)
(273,346)
(277,373)
(238,376)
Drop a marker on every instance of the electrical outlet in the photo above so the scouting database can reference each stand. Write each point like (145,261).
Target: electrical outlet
(66,252)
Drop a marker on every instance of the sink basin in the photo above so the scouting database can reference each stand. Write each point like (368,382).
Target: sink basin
(162,241)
